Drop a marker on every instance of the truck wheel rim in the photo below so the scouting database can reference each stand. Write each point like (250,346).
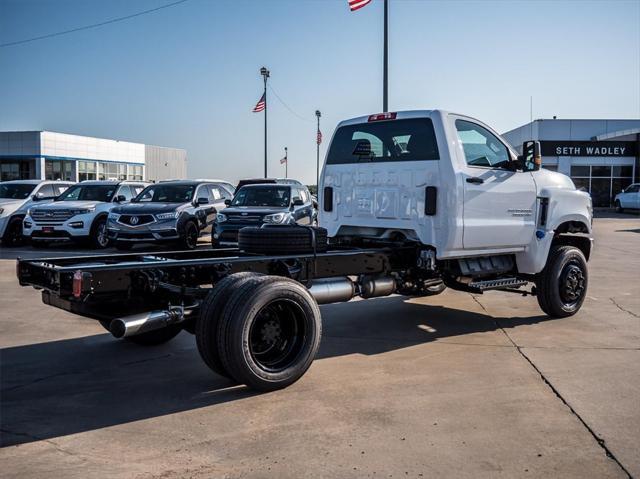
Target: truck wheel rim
(572,283)
(277,335)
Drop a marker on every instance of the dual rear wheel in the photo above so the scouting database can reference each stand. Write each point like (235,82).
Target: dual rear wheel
(262,331)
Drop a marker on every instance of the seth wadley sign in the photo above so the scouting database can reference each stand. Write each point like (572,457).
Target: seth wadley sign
(589,148)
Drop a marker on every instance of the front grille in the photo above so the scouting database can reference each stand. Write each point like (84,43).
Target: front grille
(229,235)
(139,219)
(57,216)
(248,219)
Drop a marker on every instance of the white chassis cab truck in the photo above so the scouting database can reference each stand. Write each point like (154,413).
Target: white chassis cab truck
(410,203)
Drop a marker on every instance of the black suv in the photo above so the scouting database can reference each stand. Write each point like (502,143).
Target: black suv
(172,211)
(258,204)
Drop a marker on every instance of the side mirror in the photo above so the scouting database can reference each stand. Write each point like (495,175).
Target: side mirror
(298,202)
(202,201)
(227,202)
(120,199)
(531,158)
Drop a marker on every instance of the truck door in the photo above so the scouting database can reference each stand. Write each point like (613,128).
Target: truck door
(499,204)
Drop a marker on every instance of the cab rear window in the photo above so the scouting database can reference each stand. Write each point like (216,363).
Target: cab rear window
(396,140)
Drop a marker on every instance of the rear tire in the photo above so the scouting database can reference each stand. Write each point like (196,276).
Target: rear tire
(562,284)
(283,239)
(207,324)
(269,333)
(13,234)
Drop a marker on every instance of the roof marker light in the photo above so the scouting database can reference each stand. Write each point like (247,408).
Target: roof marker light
(383,116)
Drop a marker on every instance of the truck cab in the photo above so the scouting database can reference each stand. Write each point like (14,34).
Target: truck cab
(449,182)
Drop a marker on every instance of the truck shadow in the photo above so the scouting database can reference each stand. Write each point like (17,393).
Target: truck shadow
(58,388)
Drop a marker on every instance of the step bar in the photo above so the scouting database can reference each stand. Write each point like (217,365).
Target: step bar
(497,284)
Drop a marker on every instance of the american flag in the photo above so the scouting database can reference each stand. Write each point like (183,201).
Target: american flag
(319,137)
(261,105)
(283,160)
(357,4)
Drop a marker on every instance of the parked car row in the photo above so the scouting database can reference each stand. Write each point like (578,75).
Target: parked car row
(125,213)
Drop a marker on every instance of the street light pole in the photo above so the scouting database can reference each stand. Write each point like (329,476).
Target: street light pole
(286,162)
(385,71)
(318,114)
(265,73)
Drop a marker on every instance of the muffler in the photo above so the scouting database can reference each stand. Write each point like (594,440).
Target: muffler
(145,322)
(332,290)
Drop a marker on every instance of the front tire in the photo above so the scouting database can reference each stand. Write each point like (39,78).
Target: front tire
(98,236)
(562,284)
(619,208)
(189,239)
(13,234)
(269,333)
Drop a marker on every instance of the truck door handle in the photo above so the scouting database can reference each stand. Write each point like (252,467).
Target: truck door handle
(475,180)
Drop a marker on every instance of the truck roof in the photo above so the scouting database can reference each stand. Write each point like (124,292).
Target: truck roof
(399,115)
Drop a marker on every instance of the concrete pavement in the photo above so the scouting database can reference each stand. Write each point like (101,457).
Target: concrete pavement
(454,385)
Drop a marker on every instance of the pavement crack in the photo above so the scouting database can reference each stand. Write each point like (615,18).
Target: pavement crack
(623,309)
(599,440)
(37,380)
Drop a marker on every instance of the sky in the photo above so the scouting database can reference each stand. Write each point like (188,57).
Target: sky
(188,76)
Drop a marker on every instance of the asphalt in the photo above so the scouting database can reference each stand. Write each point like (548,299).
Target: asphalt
(456,385)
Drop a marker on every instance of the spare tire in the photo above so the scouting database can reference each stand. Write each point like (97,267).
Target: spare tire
(282,239)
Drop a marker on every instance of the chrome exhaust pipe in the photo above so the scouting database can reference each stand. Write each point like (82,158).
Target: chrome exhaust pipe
(145,322)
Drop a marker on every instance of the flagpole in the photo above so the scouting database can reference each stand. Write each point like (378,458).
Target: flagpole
(265,73)
(385,74)
(318,114)
(286,162)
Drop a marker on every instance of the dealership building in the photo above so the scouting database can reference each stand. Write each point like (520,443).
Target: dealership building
(600,156)
(47,155)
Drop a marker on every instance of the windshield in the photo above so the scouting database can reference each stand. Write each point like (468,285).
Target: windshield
(16,191)
(396,140)
(89,193)
(278,196)
(166,194)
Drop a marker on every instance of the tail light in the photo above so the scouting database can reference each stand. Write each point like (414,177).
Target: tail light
(77,284)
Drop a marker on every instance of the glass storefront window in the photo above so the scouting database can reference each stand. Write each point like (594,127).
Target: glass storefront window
(135,172)
(86,170)
(17,169)
(59,170)
(603,182)
(580,171)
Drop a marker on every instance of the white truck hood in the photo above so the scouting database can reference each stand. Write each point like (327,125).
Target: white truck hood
(551,179)
(10,206)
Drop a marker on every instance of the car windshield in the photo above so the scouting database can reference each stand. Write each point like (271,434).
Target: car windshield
(16,191)
(89,193)
(166,194)
(278,196)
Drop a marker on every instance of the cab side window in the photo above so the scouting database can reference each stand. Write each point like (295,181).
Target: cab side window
(217,193)
(633,189)
(59,189)
(481,147)
(296,194)
(204,192)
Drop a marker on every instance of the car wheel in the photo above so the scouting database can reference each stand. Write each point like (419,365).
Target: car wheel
(13,234)
(189,240)
(562,284)
(98,236)
(619,208)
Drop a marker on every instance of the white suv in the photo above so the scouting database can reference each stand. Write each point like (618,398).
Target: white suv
(80,213)
(628,199)
(16,197)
